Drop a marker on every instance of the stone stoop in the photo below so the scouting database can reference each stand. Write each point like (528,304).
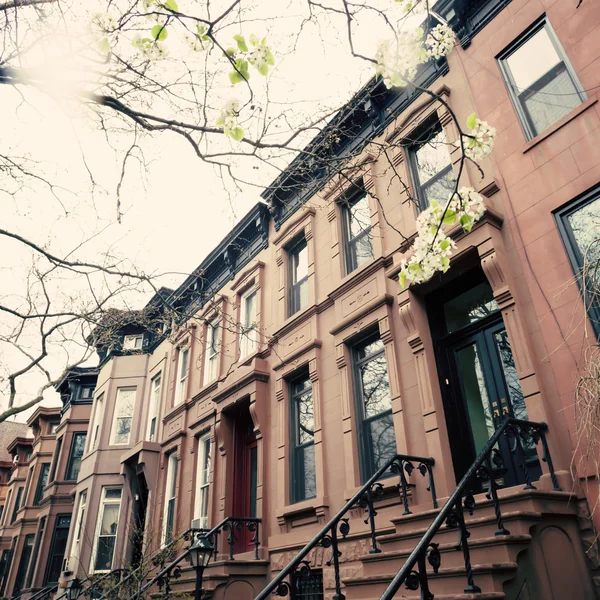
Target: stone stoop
(544,535)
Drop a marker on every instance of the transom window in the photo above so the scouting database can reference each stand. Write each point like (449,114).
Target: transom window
(154,404)
(430,165)
(540,79)
(202,482)
(357,229)
(183,369)
(133,342)
(376,433)
(303,479)
(106,529)
(249,332)
(297,276)
(211,350)
(124,406)
(579,224)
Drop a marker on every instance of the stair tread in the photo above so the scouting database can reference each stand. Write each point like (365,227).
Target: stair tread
(409,595)
(477,568)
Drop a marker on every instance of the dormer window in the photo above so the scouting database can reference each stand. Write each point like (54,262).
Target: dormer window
(133,342)
(86,392)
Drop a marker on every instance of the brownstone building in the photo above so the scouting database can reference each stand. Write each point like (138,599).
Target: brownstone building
(302,369)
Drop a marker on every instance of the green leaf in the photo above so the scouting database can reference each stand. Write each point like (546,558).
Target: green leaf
(402,278)
(465,220)
(263,69)
(237,134)
(270,58)
(419,33)
(104,45)
(241,42)
(253,39)
(159,33)
(171,5)
(235,77)
(449,217)
(471,121)
(220,121)
(230,51)
(444,244)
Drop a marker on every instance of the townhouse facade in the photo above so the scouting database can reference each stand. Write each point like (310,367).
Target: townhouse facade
(300,366)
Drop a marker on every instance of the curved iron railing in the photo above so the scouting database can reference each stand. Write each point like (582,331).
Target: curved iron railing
(452,513)
(400,464)
(44,592)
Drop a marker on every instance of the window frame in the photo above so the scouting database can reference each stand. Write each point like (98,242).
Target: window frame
(16,507)
(511,86)
(204,448)
(366,463)
(134,337)
(294,305)
(248,334)
(71,459)
(181,380)
(170,497)
(55,533)
(55,461)
(80,516)
(116,417)
(431,127)
(39,488)
(97,422)
(212,325)
(104,501)
(6,506)
(155,393)
(297,450)
(353,197)
(561,216)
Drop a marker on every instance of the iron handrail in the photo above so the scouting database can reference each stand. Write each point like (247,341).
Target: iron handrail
(41,593)
(454,502)
(364,498)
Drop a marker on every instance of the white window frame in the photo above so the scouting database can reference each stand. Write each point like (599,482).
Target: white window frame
(103,503)
(182,378)
(202,480)
(170,494)
(211,352)
(95,429)
(155,391)
(75,546)
(116,416)
(130,342)
(248,332)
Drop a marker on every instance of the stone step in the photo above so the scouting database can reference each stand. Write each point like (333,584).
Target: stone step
(494,549)
(451,581)
(404,594)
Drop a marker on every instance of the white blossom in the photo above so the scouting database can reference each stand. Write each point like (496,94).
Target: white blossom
(149,48)
(481,140)
(432,248)
(439,42)
(398,60)
(261,55)
(199,41)
(413,6)
(103,23)
(228,120)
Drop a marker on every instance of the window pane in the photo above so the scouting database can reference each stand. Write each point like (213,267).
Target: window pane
(302,263)
(375,386)
(183,366)
(113,493)
(555,97)
(469,307)
(432,157)
(110,519)
(441,188)
(370,348)
(106,547)
(534,58)
(359,217)
(123,427)
(383,440)
(125,402)
(305,417)
(362,250)
(249,310)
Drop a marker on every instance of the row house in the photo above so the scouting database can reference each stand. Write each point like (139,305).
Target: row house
(262,395)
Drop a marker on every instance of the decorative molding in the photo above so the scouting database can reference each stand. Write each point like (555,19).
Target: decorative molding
(365,310)
(257,266)
(490,189)
(288,230)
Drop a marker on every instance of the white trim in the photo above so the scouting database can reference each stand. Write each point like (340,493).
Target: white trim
(182,377)
(98,417)
(77,532)
(155,392)
(211,350)
(202,479)
(248,331)
(133,342)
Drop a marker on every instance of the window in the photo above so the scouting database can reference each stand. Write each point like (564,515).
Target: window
(357,229)
(57,550)
(98,416)
(28,485)
(74,464)
(133,342)
(41,483)
(211,353)
(541,82)
(376,430)
(7,505)
(78,529)
(86,392)
(202,482)
(154,405)
(430,165)
(170,497)
(579,224)
(56,458)
(298,276)
(307,586)
(302,453)
(1,511)
(249,333)
(23,564)
(123,415)
(36,551)
(106,529)
(53,428)
(17,505)
(183,369)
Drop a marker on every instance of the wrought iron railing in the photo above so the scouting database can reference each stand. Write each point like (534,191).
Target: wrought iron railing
(44,592)
(518,434)
(328,537)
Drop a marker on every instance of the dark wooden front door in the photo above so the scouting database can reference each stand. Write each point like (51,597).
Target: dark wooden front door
(244,476)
